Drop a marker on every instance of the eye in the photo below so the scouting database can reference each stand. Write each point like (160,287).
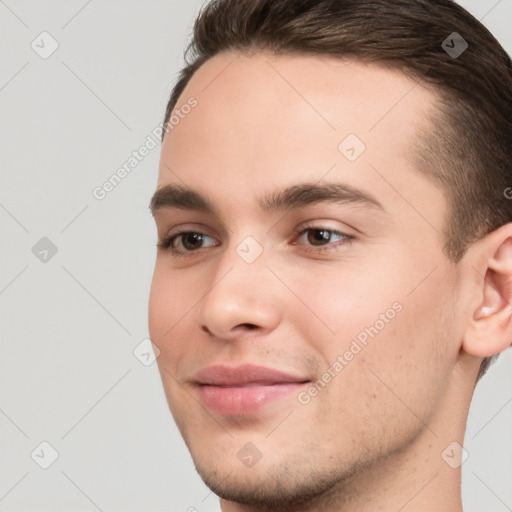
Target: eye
(313,238)
(185,242)
(326,239)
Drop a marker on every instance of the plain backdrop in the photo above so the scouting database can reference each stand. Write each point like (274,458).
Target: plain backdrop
(76,270)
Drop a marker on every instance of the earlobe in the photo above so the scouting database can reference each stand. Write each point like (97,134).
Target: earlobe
(489,330)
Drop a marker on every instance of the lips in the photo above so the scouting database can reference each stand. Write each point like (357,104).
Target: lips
(234,391)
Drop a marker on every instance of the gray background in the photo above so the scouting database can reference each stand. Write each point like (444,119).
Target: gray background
(68,374)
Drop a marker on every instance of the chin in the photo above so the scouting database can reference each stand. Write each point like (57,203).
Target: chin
(284,486)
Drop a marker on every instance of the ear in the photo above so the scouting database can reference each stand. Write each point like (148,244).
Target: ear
(489,330)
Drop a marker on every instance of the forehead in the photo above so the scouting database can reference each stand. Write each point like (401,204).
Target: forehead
(263,122)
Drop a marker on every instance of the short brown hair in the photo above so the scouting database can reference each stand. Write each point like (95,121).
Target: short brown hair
(467,144)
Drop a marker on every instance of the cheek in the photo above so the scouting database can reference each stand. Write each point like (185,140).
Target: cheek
(161,307)
(171,299)
(387,319)
(343,303)
(169,304)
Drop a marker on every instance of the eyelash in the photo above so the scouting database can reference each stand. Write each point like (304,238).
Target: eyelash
(167,243)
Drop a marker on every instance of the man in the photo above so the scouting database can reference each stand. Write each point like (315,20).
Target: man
(334,270)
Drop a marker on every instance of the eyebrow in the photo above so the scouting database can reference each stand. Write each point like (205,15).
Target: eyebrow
(291,198)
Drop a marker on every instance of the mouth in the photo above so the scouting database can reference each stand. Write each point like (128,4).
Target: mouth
(244,389)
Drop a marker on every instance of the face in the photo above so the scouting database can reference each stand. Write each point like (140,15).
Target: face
(310,289)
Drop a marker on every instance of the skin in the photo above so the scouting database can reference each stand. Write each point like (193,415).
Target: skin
(372,439)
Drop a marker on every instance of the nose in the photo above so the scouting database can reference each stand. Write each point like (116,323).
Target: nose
(241,297)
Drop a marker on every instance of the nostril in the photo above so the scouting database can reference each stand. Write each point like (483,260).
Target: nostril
(245,326)
(249,326)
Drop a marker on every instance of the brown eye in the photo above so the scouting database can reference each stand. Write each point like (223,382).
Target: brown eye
(191,241)
(319,236)
(187,243)
(319,239)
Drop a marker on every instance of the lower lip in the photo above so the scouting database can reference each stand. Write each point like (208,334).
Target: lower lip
(236,401)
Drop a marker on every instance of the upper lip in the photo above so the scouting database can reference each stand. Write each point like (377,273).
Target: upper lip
(246,374)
